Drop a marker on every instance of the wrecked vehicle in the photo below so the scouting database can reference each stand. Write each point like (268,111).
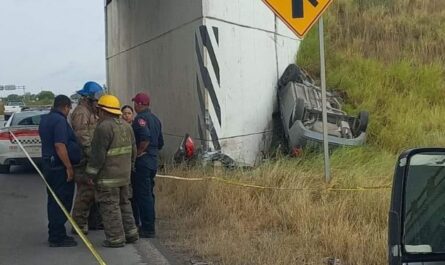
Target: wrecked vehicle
(300,106)
(187,152)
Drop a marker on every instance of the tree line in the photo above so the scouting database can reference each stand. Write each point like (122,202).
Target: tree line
(39,99)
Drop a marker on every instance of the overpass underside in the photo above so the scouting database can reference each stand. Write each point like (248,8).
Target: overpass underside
(210,66)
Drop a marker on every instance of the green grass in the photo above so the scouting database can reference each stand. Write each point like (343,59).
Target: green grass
(404,94)
(387,57)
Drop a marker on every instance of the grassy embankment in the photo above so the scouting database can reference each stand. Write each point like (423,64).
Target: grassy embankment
(388,57)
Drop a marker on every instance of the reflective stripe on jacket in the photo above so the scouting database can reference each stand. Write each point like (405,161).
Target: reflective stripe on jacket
(113,151)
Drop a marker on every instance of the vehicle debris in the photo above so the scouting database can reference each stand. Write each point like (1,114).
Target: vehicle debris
(188,153)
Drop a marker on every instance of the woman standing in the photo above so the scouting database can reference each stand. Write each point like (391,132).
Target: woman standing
(127,113)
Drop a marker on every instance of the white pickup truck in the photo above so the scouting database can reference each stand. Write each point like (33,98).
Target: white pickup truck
(13,107)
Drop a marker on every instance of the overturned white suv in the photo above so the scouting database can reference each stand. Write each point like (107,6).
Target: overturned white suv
(301,114)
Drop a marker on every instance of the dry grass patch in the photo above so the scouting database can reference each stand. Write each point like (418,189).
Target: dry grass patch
(385,56)
(238,225)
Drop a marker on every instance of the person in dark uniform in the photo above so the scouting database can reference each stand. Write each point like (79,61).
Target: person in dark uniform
(60,151)
(149,140)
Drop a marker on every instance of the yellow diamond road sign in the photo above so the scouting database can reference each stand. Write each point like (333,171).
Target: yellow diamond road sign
(299,15)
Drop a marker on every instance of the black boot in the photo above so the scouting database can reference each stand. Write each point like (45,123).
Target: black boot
(147,234)
(66,242)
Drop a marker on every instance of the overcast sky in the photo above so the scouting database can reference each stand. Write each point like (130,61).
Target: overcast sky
(53,45)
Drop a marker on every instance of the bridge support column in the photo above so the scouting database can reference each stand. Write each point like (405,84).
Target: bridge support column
(211,67)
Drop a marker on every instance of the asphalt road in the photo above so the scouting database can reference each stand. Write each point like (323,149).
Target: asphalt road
(23,230)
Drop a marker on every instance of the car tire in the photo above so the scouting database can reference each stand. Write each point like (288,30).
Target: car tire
(293,73)
(4,169)
(361,123)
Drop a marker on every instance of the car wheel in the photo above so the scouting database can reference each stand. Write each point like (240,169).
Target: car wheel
(4,169)
(293,73)
(361,123)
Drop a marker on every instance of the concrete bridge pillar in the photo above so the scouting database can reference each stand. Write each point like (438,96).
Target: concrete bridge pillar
(210,66)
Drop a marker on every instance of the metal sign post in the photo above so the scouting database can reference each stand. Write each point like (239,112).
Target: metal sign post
(327,166)
(299,16)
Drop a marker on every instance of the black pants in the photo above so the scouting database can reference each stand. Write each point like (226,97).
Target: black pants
(56,178)
(143,202)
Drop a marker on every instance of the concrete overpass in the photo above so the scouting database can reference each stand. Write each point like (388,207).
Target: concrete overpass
(211,67)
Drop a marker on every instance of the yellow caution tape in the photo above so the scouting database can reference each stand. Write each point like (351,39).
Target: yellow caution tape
(67,214)
(246,185)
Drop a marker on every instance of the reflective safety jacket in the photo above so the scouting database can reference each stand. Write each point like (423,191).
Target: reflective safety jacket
(113,152)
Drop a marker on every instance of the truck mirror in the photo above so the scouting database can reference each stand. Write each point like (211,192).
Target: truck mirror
(417,212)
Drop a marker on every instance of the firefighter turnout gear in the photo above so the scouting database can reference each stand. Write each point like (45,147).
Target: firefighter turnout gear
(118,216)
(113,151)
(83,120)
(85,213)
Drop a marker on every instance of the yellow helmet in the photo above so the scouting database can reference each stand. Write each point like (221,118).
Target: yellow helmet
(110,104)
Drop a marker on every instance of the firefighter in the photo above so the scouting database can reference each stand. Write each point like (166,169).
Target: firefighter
(83,120)
(149,140)
(113,151)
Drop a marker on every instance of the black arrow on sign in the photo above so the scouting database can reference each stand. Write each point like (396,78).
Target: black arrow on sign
(297,7)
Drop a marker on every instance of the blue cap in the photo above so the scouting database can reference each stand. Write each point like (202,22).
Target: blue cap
(90,89)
